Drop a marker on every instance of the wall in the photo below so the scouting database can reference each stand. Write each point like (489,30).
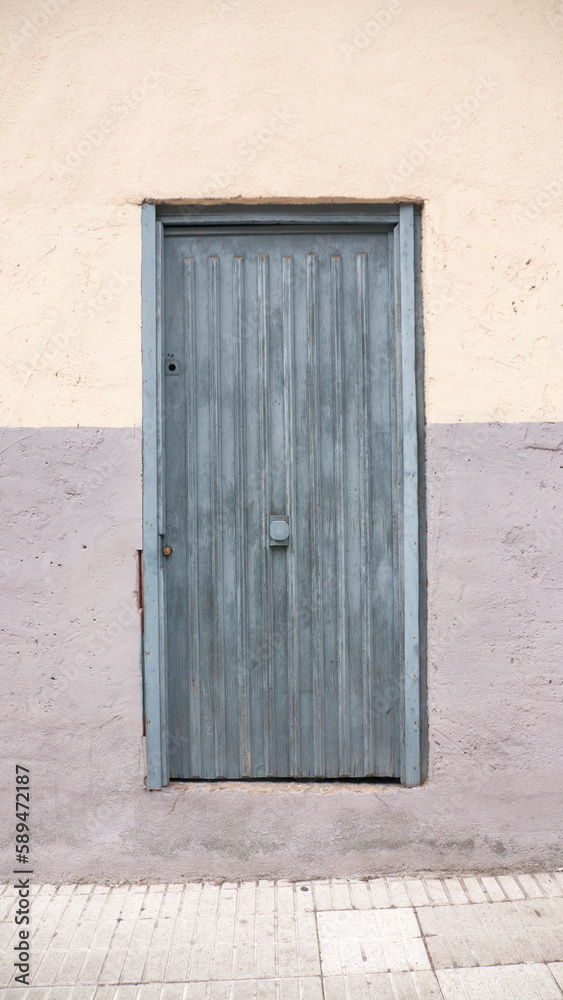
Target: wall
(456,105)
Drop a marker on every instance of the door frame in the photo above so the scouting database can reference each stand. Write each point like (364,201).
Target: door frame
(401,218)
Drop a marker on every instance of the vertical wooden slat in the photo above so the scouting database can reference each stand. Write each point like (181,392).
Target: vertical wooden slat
(241,513)
(365,513)
(267,611)
(192,561)
(292,554)
(341,609)
(216,513)
(316,532)
(410,500)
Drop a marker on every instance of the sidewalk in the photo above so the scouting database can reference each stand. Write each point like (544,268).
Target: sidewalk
(470,938)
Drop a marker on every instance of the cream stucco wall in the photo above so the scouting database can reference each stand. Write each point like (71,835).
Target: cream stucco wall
(105,105)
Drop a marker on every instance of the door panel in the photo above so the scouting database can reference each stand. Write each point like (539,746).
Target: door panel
(279,398)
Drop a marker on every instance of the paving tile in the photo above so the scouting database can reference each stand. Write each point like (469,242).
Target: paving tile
(151,904)
(71,965)
(66,927)
(455,891)
(204,934)
(474,890)
(436,892)
(398,892)
(530,886)
(360,895)
(92,966)
(126,992)
(509,982)
(18,993)
(224,930)
(181,947)
(303,896)
(279,988)
(549,884)
(295,938)
(341,899)
(370,941)
(379,892)
(322,896)
(6,903)
(556,969)
(44,972)
(170,905)
(132,904)
(172,991)
(59,992)
(494,890)
(114,903)
(416,890)
(493,933)
(383,986)
(511,888)
(137,954)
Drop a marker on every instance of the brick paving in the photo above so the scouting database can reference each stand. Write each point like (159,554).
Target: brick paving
(467,938)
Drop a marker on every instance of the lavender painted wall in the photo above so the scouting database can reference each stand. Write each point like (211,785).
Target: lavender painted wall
(72,691)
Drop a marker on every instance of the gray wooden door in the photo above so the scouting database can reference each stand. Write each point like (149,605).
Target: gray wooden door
(279,402)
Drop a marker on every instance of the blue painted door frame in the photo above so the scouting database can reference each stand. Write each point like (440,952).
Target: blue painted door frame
(154,221)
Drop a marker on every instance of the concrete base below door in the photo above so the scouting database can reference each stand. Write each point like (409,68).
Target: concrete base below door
(380,939)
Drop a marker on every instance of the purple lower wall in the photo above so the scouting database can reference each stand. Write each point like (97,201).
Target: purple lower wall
(71,501)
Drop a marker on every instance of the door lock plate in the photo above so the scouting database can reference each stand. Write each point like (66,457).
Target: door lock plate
(279,531)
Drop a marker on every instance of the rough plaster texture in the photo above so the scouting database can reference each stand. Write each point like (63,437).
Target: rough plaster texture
(73,702)
(458,106)
(106,105)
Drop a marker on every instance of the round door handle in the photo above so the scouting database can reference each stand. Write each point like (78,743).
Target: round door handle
(167,551)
